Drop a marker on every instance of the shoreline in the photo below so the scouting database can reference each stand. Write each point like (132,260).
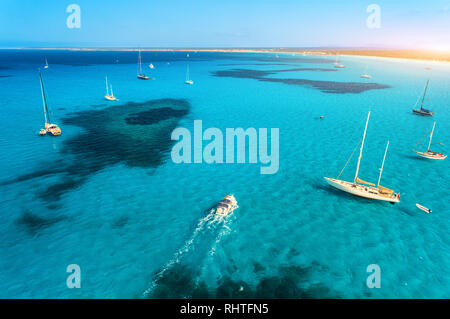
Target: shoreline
(394,55)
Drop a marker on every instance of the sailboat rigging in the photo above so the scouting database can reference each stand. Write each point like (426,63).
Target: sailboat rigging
(362,188)
(423,111)
(53,129)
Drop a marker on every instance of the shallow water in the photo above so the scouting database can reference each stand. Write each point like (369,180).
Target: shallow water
(105,194)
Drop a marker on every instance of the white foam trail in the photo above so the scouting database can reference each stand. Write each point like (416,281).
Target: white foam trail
(210,221)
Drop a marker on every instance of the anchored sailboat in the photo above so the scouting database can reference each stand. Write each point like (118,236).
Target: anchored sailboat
(423,111)
(46,64)
(365,75)
(140,74)
(53,129)
(109,95)
(188,81)
(430,154)
(338,64)
(362,188)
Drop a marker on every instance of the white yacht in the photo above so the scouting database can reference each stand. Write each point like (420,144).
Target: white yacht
(226,206)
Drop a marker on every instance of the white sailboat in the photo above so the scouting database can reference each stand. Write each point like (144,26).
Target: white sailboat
(151,66)
(188,81)
(109,95)
(46,64)
(53,129)
(140,74)
(362,188)
(365,75)
(430,154)
(338,64)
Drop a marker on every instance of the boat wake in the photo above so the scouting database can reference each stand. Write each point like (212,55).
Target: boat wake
(205,238)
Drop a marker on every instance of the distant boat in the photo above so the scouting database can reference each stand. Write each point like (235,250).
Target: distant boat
(151,66)
(53,129)
(109,93)
(430,154)
(426,210)
(423,111)
(338,64)
(365,75)
(362,188)
(428,68)
(140,74)
(46,64)
(188,81)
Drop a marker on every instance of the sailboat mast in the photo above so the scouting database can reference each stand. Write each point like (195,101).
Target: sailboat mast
(431,136)
(106,78)
(424,93)
(112,94)
(140,62)
(382,165)
(44,101)
(361,150)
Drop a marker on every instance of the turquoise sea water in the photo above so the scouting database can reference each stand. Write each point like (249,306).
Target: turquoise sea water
(105,194)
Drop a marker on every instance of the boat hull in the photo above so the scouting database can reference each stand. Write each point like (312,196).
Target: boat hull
(431,156)
(110,98)
(361,191)
(420,112)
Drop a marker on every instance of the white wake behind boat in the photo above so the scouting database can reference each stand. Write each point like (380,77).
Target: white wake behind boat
(430,154)
(226,206)
(362,188)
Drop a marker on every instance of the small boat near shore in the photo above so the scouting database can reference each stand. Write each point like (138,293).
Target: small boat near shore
(362,188)
(338,64)
(430,154)
(226,206)
(423,111)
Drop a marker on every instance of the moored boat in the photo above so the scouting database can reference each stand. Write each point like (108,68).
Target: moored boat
(426,210)
(422,110)
(362,188)
(428,153)
(53,129)
(140,74)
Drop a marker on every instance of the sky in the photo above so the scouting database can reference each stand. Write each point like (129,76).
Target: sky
(423,24)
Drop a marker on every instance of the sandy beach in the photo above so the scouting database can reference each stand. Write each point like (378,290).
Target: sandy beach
(421,55)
